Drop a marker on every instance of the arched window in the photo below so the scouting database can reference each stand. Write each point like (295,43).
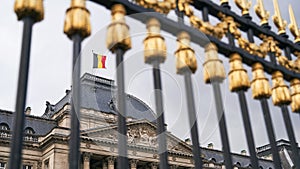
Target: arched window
(29,130)
(4,126)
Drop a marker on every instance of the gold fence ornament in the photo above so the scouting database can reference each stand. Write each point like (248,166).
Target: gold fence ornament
(296,65)
(185,55)
(244,5)
(29,8)
(118,31)
(293,25)
(213,68)
(154,44)
(280,91)
(77,20)
(261,12)
(260,84)
(164,6)
(295,93)
(278,20)
(238,77)
(224,2)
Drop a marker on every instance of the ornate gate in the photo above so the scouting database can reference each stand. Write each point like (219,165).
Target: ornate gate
(276,55)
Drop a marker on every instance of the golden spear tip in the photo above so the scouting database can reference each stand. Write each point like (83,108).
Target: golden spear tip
(277,19)
(292,16)
(293,25)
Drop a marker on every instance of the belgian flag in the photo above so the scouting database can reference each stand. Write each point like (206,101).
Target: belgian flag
(99,61)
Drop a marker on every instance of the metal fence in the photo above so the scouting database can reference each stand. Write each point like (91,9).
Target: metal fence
(275,46)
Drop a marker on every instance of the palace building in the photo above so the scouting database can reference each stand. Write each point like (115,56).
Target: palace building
(46,137)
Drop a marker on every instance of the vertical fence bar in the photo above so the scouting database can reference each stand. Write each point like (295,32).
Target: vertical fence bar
(222,124)
(271,133)
(214,73)
(155,54)
(29,14)
(291,135)
(186,64)
(76,29)
(15,159)
(74,143)
(239,83)
(193,121)
(122,127)
(262,93)
(281,97)
(161,129)
(261,90)
(248,129)
(118,41)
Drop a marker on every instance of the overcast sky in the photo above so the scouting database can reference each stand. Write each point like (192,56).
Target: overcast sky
(50,73)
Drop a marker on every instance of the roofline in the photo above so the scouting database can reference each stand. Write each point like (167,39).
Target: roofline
(28,116)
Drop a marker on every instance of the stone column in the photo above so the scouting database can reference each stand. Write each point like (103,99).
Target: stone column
(86,160)
(104,164)
(174,167)
(133,164)
(111,162)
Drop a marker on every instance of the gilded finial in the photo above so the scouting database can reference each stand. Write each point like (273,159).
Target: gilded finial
(213,66)
(260,84)
(280,92)
(223,2)
(118,31)
(154,43)
(295,93)
(29,8)
(77,20)
(185,55)
(277,19)
(293,25)
(244,5)
(238,77)
(261,12)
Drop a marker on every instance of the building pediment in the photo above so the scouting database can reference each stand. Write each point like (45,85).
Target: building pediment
(140,134)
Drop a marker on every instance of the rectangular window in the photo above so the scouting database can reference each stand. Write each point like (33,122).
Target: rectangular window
(2,165)
(46,163)
(27,167)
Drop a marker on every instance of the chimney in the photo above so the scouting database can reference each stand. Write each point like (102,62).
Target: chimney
(28,110)
(210,146)
(68,91)
(188,141)
(244,152)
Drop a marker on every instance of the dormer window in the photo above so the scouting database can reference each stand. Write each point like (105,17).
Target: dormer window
(29,130)
(4,131)
(4,126)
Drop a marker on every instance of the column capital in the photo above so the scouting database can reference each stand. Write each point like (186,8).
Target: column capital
(153,165)
(174,166)
(111,160)
(86,156)
(133,163)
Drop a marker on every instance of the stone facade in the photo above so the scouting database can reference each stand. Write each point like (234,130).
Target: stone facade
(46,142)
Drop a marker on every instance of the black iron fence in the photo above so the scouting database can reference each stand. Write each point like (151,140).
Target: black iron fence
(282,65)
